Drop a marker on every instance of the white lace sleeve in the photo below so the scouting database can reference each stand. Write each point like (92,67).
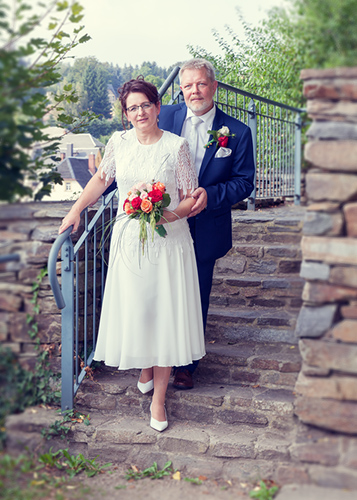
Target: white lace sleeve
(186,176)
(107,165)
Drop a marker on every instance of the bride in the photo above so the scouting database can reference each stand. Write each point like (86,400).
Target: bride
(151,314)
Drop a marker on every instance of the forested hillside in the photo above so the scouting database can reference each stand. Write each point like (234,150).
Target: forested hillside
(90,79)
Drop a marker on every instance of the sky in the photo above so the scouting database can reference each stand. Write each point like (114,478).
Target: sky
(135,31)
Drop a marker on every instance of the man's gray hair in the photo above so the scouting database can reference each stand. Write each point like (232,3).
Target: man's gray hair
(198,64)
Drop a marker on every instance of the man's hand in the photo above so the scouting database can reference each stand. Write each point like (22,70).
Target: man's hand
(200,194)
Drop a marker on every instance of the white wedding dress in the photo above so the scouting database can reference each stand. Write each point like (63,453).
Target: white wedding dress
(151,313)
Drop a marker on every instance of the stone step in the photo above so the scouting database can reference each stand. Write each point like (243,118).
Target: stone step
(213,404)
(277,292)
(197,449)
(253,324)
(270,365)
(258,259)
(280,226)
(298,454)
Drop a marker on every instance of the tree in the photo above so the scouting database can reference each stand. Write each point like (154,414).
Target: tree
(268,61)
(329,28)
(264,62)
(101,103)
(29,66)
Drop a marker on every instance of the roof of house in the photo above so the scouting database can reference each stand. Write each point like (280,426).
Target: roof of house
(80,141)
(75,168)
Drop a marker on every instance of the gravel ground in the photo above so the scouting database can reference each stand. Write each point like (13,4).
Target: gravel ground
(115,486)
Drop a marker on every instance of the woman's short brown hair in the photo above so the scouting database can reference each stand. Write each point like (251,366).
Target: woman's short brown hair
(138,85)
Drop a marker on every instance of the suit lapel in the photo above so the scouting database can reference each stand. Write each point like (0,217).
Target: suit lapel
(218,122)
(179,118)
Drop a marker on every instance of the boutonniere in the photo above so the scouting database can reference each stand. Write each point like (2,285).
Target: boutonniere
(220,137)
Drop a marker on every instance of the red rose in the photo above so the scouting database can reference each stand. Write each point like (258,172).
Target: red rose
(125,202)
(223,141)
(136,202)
(155,195)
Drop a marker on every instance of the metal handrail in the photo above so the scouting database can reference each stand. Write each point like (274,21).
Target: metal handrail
(277,153)
(57,245)
(169,80)
(259,98)
(52,264)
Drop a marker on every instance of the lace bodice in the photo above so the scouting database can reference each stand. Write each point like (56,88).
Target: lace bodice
(168,161)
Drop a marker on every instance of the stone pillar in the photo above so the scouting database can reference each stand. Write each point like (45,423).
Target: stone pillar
(327,324)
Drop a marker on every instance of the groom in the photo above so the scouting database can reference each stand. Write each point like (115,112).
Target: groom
(225,174)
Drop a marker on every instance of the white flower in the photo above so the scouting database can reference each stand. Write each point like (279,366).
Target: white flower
(144,195)
(140,186)
(224,130)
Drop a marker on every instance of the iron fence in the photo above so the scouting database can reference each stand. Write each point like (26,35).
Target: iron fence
(83,272)
(276,133)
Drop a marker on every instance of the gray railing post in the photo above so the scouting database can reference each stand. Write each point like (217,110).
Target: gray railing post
(67,361)
(252,124)
(297,176)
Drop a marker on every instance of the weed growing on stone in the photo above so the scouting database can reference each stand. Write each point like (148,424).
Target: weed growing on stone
(193,480)
(153,472)
(263,492)
(60,428)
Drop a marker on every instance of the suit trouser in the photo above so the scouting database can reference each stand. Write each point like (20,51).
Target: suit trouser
(205,276)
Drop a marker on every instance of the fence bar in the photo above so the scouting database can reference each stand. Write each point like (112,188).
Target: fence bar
(252,124)
(67,318)
(297,159)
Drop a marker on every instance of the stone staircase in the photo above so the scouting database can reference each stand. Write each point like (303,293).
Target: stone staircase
(255,301)
(238,421)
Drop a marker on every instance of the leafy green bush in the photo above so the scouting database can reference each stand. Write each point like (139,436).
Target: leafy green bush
(29,65)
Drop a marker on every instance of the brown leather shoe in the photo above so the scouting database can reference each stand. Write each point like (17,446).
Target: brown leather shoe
(183,380)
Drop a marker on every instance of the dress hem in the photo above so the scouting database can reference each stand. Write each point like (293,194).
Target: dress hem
(145,367)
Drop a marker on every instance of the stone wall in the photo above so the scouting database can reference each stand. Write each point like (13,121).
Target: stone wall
(28,229)
(327,324)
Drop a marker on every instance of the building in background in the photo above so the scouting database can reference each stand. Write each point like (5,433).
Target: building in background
(76,171)
(80,156)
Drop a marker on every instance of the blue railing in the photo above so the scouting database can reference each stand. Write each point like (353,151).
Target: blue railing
(83,271)
(276,131)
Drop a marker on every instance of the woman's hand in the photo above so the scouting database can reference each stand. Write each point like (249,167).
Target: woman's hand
(72,219)
(200,195)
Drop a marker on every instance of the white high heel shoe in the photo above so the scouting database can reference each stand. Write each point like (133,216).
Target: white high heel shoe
(146,387)
(156,424)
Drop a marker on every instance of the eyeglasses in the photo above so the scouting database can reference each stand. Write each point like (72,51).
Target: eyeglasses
(145,106)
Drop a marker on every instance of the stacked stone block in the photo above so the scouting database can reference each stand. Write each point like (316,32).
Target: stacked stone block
(28,230)
(327,323)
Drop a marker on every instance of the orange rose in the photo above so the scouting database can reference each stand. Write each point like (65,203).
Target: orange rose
(128,209)
(160,186)
(146,206)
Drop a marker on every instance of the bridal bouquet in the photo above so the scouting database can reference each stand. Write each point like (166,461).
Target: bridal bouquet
(146,202)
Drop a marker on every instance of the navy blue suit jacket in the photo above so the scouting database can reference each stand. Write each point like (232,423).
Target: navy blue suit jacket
(227,181)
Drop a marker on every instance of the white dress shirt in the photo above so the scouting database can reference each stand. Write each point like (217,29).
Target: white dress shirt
(202,128)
